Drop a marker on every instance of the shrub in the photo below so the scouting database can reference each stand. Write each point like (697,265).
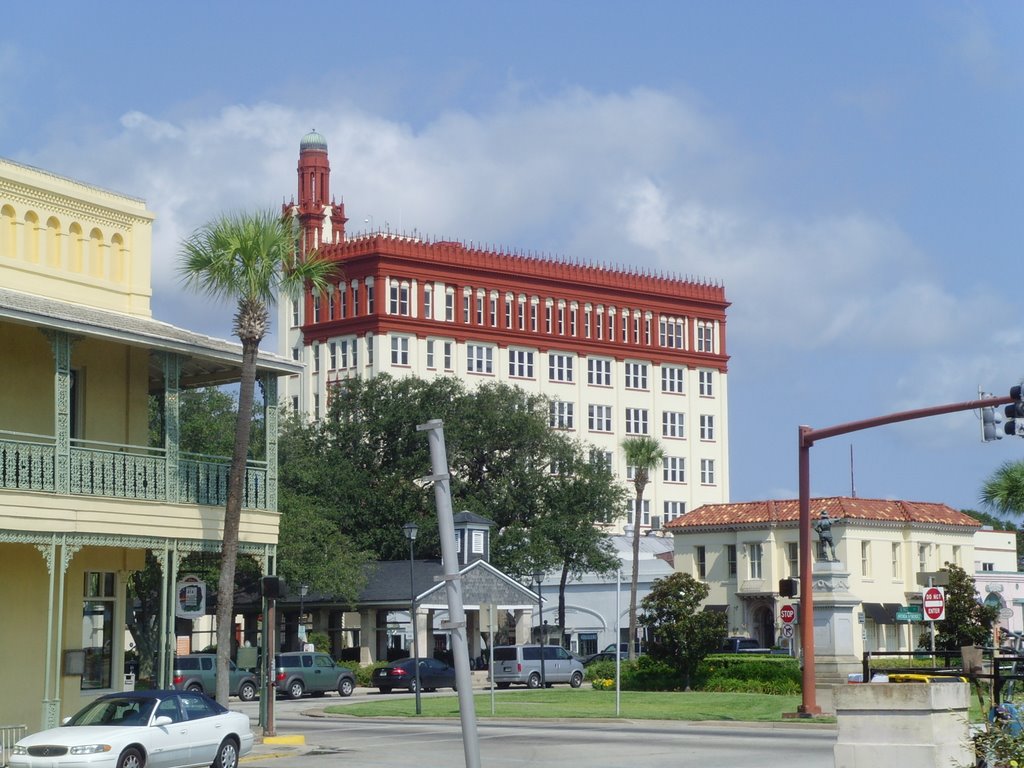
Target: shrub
(642,674)
(320,641)
(732,673)
(364,673)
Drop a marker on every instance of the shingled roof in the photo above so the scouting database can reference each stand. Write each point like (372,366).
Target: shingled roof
(759,513)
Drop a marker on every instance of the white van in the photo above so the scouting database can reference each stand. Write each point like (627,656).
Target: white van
(521,664)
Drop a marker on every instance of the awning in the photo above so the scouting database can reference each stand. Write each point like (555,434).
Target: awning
(881,613)
(716,609)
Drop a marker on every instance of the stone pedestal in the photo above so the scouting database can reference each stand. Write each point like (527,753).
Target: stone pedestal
(834,624)
(912,725)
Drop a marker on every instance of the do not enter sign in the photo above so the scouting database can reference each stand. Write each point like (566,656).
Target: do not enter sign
(934,603)
(788,614)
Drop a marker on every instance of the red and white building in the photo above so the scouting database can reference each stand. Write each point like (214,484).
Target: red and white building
(618,352)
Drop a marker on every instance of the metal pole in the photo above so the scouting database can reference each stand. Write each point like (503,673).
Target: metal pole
(453,587)
(540,628)
(412,623)
(618,634)
(270,664)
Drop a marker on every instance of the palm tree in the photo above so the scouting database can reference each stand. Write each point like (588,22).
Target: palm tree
(643,454)
(248,258)
(1004,489)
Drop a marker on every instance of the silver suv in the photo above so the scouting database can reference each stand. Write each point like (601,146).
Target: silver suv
(300,672)
(521,664)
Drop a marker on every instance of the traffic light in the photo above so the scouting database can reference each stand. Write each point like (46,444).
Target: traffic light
(991,424)
(789,587)
(1015,412)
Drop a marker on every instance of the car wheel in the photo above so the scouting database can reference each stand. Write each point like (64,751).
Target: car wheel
(194,687)
(533,681)
(296,689)
(227,755)
(247,691)
(576,680)
(412,686)
(130,758)
(345,687)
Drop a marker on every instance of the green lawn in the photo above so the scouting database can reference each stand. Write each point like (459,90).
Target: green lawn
(588,703)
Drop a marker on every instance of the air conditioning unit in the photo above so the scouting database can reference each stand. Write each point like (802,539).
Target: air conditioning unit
(655,522)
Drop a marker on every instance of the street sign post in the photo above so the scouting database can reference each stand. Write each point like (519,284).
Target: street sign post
(787,631)
(909,613)
(934,602)
(788,614)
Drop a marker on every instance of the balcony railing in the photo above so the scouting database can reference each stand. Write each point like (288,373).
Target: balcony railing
(28,463)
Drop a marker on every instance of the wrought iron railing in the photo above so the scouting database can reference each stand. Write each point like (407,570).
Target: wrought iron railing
(28,463)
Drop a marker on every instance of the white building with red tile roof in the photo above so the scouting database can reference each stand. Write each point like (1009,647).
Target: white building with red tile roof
(742,550)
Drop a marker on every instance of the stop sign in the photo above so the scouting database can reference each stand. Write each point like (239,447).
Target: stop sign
(788,614)
(934,603)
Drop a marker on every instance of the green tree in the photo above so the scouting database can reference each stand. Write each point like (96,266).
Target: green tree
(967,622)
(643,454)
(577,500)
(679,632)
(248,258)
(1003,491)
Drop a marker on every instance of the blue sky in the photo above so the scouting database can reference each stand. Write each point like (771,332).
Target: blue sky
(850,172)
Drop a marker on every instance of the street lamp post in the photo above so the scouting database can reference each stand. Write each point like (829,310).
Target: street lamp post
(538,577)
(410,530)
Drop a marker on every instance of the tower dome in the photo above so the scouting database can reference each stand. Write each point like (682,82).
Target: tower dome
(314,141)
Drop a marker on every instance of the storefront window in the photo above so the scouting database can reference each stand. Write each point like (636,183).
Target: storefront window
(98,630)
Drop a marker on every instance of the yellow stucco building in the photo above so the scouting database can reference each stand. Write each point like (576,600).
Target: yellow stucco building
(83,493)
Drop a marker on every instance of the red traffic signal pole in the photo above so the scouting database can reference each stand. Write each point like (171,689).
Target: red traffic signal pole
(807,438)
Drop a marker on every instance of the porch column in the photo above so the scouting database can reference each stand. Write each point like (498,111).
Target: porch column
(367,636)
(53,677)
(270,417)
(524,624)
(421,626)
(172,425)
(61,342)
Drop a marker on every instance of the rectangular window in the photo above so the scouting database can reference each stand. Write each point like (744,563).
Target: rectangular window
(706,380)
(793,558)
(479,310)
(599,372)
(601,459)
(865,558)
(295,353)
(755,552)
(670,333)
(428,302)
(560,367)
(674,509)
(705,337)
(520,363)
(315,349)
(355,299)
(672,424)
(98,599)
(369,349)
(399,299)
(369,298)
(355,353)
(330,305)
(533,317)
(479,359)
(707,471)
(494,311)
(636,421)
(611,327)
(561,320)
(586,323)
(449,305)
(562,416)
(430,354)
(521,312)
(547,318)
(674,469)
(316,405)
(707,427)
(343,348)
(897,561)
(466,298)
(636,375)
(295,403)
(508,312)
(645,512)
(700,561)
(399,350)
(316,308)
(448,363)
(295,312)
(572,321)
(342,301)
(599,418)
(333,355)
(730,560)
(923,556)
(599,324)
(673,379)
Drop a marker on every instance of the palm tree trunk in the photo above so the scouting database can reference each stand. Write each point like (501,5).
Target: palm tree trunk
(634,581)
(232,519)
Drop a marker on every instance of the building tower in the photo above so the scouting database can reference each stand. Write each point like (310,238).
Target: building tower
(321,220)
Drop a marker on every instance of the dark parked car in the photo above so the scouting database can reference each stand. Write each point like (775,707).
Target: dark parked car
(198,672)
(434,674)
(316,673)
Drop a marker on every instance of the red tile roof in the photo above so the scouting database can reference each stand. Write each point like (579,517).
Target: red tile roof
(838,507)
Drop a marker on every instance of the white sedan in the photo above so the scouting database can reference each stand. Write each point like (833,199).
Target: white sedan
(141,729)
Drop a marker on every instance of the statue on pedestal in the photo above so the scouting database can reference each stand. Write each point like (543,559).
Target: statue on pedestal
(824,530)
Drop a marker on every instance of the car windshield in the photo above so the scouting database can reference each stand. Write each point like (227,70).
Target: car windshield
(117,710)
